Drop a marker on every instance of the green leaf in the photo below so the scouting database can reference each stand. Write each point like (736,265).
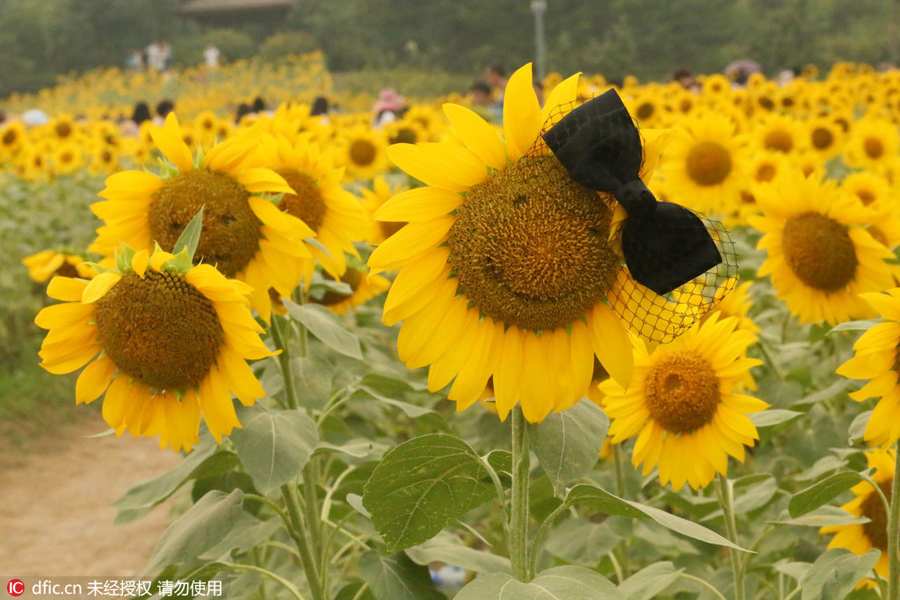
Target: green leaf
(647,583)
(773,416)
(838,387)
(825,516)
(862,325)
(396,577)
(356,503)
(143,497)
(822,492)
(581,542)
(362,448)
(449,549)
(190,236)
(568,443)
(858,427)
(274,447)
(410,410)
(201,528)
(603,501)
(326,327)
(558,583)
(835,573)
(246,533)
(422,485)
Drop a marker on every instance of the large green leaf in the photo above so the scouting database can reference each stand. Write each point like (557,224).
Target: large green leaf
(601,500)
(141,499)
(201,528)
(822,492)
(396,577)
(422,485)
(581,542)
(835,573)
(449,549)
(647,583)
(324,325)
(274,447)
(559,583)
(568,443)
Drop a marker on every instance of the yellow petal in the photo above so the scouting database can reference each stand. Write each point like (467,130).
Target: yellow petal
(98,286)
(521,114)
(169,141)
(139,262)
(611,343)
(448,166)
(419,204)
(159,258)
(66,288)
(410,241)
(94,380)
(562,95)
(478,135)
(259,180)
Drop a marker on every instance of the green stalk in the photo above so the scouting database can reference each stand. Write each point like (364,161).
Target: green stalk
(620,490)
(726,499)
(518,514)
(893,533)
(282,342)
(307,553)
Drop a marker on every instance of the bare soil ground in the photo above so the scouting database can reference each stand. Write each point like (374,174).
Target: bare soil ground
(55,513)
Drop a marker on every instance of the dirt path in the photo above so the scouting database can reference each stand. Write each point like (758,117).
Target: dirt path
(55,513)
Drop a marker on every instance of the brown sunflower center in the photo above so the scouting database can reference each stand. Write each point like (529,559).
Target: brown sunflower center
(708,163)
(362,153)
(645,110)
(389,228)
(682,391)
(160,330)
(822,138)
(307,204)
(873,508)
(9,138)
(530,246)
(819,251)
(404,135)
(866,196)
(231,231)
(779,140)
(873,147)
(766,172)
(63,130)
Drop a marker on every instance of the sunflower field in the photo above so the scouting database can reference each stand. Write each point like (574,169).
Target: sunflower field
(618,342)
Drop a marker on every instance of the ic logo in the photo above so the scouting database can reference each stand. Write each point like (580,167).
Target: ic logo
(15,587)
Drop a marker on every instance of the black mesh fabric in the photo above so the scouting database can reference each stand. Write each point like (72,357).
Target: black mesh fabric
(679,264)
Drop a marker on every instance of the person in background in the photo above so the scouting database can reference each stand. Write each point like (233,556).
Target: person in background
(495,75)
(319,109)
(135,60)
(686,79)
(211,56)
(243,110)
(482,102)
(163,108)
(388,108)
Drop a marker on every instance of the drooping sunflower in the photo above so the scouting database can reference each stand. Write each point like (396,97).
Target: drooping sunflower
(244,235)
(335,215)
(168,341)
(876,359)
(820,256)
(682,404)
(860,538)
(705,165)
(506,262)
(47,263)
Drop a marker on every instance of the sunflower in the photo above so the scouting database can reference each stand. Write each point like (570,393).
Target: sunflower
(67,158)
(12,135)
(170,341)
(362,152)
(825,136)
(871,143)
(871,188)
(380,193)
(820,256)
(859,538)
(362,289)
(47,263)
(334,214)
(682,405)
(705,165)
(780,133)
(505,263)
(244,235)
(876,359)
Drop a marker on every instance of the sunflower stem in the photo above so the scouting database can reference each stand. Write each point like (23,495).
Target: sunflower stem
(725,492)
(893,533)
(282,342)
(620,490)
(300,536)
(518,514)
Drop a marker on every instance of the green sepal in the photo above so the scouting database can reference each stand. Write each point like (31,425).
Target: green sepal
(99,268)
(124,254)
(190,237)
(181,264)
(198,158)
(167,169)
(273,198)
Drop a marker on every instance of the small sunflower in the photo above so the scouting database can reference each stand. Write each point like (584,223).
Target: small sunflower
(362,289)
(362,152)
(334,214)
(12,135)
(47,263)
(820,256)
(871,143)
(67,158)
(705,165)
(168,341)
(860,538)
(682,404)
(876,359)
(505,263)
(825,136)
(243,235)
(780,133)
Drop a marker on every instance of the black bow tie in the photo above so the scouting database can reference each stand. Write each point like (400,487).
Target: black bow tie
(665,245)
